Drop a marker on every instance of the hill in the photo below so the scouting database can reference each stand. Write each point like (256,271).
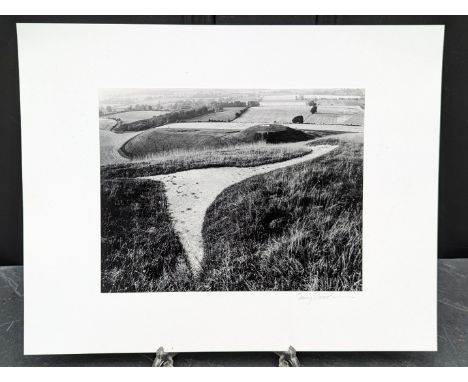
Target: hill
(159,140)
(273,133)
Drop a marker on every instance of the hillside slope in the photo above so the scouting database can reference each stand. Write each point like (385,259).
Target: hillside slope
(159,140)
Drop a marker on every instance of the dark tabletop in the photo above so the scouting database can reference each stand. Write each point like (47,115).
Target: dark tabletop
(452,335)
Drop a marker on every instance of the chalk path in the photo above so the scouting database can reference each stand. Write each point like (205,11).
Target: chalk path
(190,193)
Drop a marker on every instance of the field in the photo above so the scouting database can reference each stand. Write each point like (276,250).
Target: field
(106,124)
(208,125)
(343,102)
(244,125)
(244,155)
(110,144)
(280,98)
(284,113)
(132,116)
(355,120)
(158,140)
(227,115)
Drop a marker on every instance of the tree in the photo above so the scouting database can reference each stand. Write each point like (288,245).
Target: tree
(298,119)
(314,105)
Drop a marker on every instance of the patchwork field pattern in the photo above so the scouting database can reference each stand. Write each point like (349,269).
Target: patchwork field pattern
(285,112)
(227,115)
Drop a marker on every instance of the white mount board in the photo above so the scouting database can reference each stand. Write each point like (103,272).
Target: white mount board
(61,69)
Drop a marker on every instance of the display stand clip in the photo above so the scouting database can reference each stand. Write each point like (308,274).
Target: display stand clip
(288,358)
(163,359)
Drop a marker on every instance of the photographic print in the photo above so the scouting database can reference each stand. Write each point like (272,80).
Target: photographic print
(231,189)
(202,201)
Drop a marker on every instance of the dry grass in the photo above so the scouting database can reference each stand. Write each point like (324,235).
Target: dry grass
(298,228)
(106,123)
(167,162)
(159,139)
(208,125)
(139,248)
(110,144)
(355,120)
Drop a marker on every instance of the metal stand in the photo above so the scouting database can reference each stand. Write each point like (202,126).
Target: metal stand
(163,359)
(288,358)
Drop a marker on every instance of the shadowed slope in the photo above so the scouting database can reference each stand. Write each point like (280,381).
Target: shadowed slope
(272,133)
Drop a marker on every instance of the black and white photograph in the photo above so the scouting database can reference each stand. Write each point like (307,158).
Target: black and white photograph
(181,197)
(231,189)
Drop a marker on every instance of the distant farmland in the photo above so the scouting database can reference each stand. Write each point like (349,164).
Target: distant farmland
(227,115)
(132,116)
(208,125)
(276,113)
(284,113)
(244,125)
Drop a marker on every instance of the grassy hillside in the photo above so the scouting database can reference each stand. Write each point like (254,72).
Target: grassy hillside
(293,229)
(272,133)
(139,248)
(159,140)
(243,155)
(106,123)
(110,144)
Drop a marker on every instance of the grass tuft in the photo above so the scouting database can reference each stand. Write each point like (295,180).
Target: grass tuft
(244,155)
(139,248)
(297,228)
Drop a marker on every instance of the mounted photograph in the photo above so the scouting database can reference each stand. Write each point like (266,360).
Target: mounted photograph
(231,189)
(264,199)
